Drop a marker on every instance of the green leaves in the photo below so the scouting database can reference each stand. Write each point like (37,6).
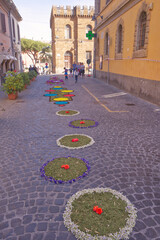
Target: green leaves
(14,83)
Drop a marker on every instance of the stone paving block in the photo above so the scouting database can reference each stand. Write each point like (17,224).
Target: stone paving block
(1,218)
(50,236)
(19,230)
(25,237)
(62,236)
(38,236)
(54,209)
(53,227)
(31,227)
(15,205)
(27,219)
(151,233)
(59,201)
(149,222)
(42,226)
(3,225)
(16,222)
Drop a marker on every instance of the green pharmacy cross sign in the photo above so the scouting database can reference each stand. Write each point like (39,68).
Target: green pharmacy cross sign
(90,35)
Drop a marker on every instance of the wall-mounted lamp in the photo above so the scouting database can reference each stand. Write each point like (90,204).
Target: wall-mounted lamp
(93,18)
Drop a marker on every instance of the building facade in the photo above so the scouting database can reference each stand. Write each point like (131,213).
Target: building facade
(128,46)
(10,47)
(69,42)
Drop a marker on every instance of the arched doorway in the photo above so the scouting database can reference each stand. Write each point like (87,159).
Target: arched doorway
(68,59)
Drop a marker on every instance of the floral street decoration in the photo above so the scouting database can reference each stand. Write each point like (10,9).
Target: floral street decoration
(115,222)
(65,170)
(67,113)
(83,123)
(60,99)
(82,141)
(54,80)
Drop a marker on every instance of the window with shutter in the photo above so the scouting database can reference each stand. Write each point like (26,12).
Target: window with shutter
(3,22)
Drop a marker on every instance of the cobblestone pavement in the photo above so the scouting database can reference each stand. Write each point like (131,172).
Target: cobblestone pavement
(125,157)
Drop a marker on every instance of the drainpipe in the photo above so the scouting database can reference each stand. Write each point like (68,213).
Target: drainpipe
(10,28)
(108,75)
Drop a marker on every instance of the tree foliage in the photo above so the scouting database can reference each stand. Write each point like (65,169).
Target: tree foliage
(46,54)
(32,48)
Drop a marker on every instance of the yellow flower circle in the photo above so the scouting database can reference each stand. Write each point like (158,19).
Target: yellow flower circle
(66,91)
(60,99)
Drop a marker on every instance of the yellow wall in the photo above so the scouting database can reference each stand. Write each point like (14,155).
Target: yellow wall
(149,67)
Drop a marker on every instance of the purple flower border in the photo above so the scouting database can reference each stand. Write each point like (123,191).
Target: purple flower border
(95,125)
(51,179)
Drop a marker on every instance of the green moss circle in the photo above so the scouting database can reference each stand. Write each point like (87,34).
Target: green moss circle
(66,141)
(111,220)
(76,168)
(71,113)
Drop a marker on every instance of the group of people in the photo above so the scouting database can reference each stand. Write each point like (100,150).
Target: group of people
(75,71)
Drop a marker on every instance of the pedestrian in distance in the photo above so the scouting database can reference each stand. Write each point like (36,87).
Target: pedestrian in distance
(74,65)
(76,75)
(70,71)
(65,73)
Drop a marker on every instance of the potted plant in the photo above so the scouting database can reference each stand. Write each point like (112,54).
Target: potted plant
(26,80)
(32,75)
(13,84)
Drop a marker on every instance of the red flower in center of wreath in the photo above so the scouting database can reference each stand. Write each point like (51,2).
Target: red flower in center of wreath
(67,111)
(97,210)
(82,122)
(65,166)
(75,140)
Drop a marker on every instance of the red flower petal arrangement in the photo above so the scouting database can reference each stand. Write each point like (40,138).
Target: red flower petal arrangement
(65,166)
(97,210)
(75,140)
(82,122)
(67,111)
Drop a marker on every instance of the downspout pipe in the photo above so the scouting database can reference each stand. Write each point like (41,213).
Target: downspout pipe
(10,29)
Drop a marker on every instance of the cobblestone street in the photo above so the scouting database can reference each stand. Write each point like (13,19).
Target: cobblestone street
(124,157)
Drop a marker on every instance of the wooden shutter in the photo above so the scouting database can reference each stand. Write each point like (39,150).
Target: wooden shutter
(3,22)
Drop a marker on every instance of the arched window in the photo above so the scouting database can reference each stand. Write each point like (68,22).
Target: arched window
(106,43)
(68,32)
(142,30)
(120,39)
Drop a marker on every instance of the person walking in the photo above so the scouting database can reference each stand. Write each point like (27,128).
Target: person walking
(76,75)
(65,73)
(74,65)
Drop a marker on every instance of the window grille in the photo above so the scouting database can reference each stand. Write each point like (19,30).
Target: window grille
(142,29)
(120,39)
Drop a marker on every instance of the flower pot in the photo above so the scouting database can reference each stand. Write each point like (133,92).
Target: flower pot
(33,79)
(12,96)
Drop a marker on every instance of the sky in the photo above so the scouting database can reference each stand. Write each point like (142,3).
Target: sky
(36,16)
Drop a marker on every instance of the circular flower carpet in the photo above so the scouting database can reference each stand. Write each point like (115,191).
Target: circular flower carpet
(67,113)
(65,169)
(75,141)
(83,123)
(100,214)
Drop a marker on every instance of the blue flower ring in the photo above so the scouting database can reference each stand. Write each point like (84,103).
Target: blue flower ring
(71,125)
(51,179)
